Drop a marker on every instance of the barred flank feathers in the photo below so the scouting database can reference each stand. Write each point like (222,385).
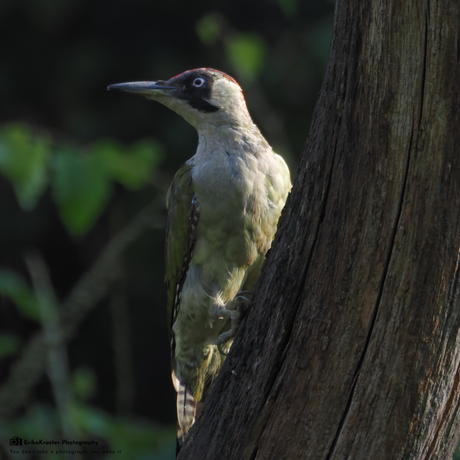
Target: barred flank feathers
(186,408)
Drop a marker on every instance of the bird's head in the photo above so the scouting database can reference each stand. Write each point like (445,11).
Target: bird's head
(203,97)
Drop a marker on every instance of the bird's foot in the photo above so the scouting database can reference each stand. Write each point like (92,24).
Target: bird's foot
(233,310)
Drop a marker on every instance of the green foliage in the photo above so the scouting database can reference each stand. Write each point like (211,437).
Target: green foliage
(247,53)
(81,189)
(83,383)
(82,182)
(23,159)
(130,167)
(209,29)
(132,439)
(135,439)
(289,7)
(10,344)
(14,288)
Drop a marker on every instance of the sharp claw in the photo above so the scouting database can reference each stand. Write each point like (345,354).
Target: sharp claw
(235,316)
(245,292)
(219,347)
(242,297)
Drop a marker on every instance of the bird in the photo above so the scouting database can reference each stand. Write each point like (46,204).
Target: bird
(223,209)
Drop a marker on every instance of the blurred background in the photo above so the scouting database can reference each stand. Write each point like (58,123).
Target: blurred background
(84,352)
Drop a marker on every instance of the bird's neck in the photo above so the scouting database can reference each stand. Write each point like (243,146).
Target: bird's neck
(229,131)
(231,139)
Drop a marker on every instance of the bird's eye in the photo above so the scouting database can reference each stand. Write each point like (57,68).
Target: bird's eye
(198,82)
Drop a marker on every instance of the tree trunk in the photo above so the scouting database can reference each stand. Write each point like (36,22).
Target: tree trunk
(352,347)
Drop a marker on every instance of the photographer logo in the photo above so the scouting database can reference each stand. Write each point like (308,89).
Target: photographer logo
(16,441)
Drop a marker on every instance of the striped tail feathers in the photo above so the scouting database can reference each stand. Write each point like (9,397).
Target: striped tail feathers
(189,403)
(186,409)
(175,381)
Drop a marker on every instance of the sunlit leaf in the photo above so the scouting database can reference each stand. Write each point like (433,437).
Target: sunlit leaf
(131,166)
(15,288)
(208,28)
(81,188)
(247,53)
(24,160)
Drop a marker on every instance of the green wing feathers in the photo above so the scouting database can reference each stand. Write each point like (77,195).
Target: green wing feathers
(179,242)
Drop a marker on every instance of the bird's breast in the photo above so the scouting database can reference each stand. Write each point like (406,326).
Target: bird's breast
(228,185)
(234,210)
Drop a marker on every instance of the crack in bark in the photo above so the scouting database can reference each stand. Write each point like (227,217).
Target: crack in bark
(376,308)
(425,55)
(388,259)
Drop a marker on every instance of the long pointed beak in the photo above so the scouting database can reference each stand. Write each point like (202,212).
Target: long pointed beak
(143,87)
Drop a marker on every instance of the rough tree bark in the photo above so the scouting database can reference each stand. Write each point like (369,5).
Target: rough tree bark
(352,347)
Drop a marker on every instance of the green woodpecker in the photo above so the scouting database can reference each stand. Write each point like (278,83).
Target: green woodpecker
(223,209)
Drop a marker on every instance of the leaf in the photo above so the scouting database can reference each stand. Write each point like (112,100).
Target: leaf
(289,7)
(81,189)
(247,53)
(13,287)
(133,166)
(209,28)
(24,161)
(84,383)
(10,344)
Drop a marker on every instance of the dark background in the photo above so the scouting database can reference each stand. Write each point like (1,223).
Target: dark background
(57,58)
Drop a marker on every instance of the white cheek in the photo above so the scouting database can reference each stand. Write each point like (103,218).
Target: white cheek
(182,108)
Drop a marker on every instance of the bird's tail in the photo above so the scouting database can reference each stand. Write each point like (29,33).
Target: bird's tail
(186,409)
